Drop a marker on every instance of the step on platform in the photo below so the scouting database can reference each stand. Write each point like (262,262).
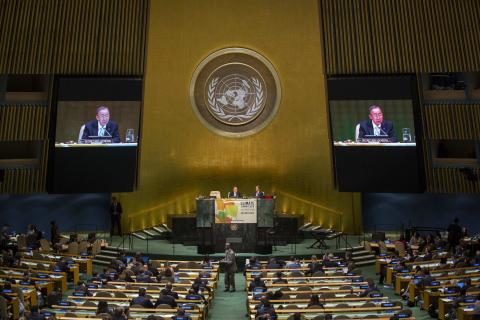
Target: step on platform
(106,255)
(360,256)
(154,233)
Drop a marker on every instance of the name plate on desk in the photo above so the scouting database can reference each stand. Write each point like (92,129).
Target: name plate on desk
(236,211)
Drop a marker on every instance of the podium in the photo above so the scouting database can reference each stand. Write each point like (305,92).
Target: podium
(218,223)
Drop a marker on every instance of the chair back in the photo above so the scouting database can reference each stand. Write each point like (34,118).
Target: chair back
(216,194)
(45,245)
(400,247)
(382,246)
(83,246)
(73,248)
(80,133)
(22,242)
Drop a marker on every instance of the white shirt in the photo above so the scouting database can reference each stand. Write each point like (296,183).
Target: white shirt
(377,129)
(100,129)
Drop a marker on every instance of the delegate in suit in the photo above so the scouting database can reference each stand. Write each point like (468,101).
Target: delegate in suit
(258,192)
(102,126)
(230,268)
(376,126)
(234,193)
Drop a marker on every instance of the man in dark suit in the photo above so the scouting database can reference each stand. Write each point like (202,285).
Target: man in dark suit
(102,126)
(165,299)
(376,126)
(234,193)
(115,216)
(230,268)
(258,192)
(142,299)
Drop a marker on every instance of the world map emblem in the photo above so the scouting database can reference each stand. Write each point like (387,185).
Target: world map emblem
(235,92)
(236,98)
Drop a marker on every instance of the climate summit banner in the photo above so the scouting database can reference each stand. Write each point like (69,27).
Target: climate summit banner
(236,211)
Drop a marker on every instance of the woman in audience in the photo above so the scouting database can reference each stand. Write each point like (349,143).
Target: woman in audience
(168,274)
(152,269)
(206,262)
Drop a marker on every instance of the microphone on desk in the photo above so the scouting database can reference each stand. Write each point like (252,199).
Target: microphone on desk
(108,132)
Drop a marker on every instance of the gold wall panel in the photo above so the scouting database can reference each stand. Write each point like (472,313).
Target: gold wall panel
(73,37)
(449,121)
(23,122)
(27,180)
(452,180)
(48,37)
(452,121)
(391,36)
(180,158)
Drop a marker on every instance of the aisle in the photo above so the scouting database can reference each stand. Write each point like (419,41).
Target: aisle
(369,272)
(229,305)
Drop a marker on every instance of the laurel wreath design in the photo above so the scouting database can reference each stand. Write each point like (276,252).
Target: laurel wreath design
(250,113)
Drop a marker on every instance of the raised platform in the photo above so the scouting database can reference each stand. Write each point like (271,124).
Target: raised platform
(164,249)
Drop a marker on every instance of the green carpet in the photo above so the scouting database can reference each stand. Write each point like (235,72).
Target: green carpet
(229,305)
(369,272)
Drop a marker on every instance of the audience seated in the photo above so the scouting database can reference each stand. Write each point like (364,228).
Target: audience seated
(165,299)
(257,282)
(142,300)
(265,310)
(168,290)
(279,278)
(181,315)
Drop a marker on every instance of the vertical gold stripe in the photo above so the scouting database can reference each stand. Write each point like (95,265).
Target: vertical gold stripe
(401,36)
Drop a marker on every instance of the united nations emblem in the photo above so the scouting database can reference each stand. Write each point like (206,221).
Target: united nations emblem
(236,99)
(235,92)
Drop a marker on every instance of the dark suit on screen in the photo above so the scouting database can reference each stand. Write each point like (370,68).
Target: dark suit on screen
(231,194)
(366,128)
(91,130)
(259,194)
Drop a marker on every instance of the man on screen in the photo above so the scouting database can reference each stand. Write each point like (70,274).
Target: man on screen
(102,126)
(376,126)
(258,192)
(234,193)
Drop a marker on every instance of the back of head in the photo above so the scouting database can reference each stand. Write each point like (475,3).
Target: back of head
(118,312)
(180,312)
(297,316)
